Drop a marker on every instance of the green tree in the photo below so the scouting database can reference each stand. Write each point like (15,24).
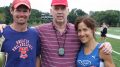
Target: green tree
(8,16)
(74,13)
(35,16)
(111,17)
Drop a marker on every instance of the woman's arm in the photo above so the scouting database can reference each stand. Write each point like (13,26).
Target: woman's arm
(108,61)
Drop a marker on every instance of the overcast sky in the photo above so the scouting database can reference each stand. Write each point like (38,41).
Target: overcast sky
(85,5)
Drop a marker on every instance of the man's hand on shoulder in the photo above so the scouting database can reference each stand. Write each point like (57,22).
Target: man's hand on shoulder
(2,26)
(106,47)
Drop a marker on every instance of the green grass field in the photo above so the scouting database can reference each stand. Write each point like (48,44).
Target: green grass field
(1,59)
(115,44)
(112,30)
(116,47)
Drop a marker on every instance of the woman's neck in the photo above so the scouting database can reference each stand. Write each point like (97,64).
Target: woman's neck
(92,42)
(90,46)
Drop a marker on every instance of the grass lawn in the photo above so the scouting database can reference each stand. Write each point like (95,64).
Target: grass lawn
(1,59)
(116,47)
(112,30)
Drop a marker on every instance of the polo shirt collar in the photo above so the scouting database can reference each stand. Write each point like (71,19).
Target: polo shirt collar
(66,30)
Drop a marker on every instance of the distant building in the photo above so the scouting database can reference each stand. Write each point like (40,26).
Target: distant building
(46,16)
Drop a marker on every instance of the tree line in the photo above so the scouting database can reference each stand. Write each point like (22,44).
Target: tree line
(110,17)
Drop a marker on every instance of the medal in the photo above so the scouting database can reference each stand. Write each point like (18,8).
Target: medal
(61,51)
(61,43)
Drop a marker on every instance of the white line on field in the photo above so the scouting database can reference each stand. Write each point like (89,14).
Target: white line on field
(116,59)
(116,52)
(110,35)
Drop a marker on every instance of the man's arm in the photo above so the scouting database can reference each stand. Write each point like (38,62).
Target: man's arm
(2,26)
(38,61)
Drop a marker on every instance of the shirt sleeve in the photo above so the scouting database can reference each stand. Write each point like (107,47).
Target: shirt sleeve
(38,44)
(38,47)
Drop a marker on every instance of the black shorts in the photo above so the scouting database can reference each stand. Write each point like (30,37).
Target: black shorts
(103,34)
